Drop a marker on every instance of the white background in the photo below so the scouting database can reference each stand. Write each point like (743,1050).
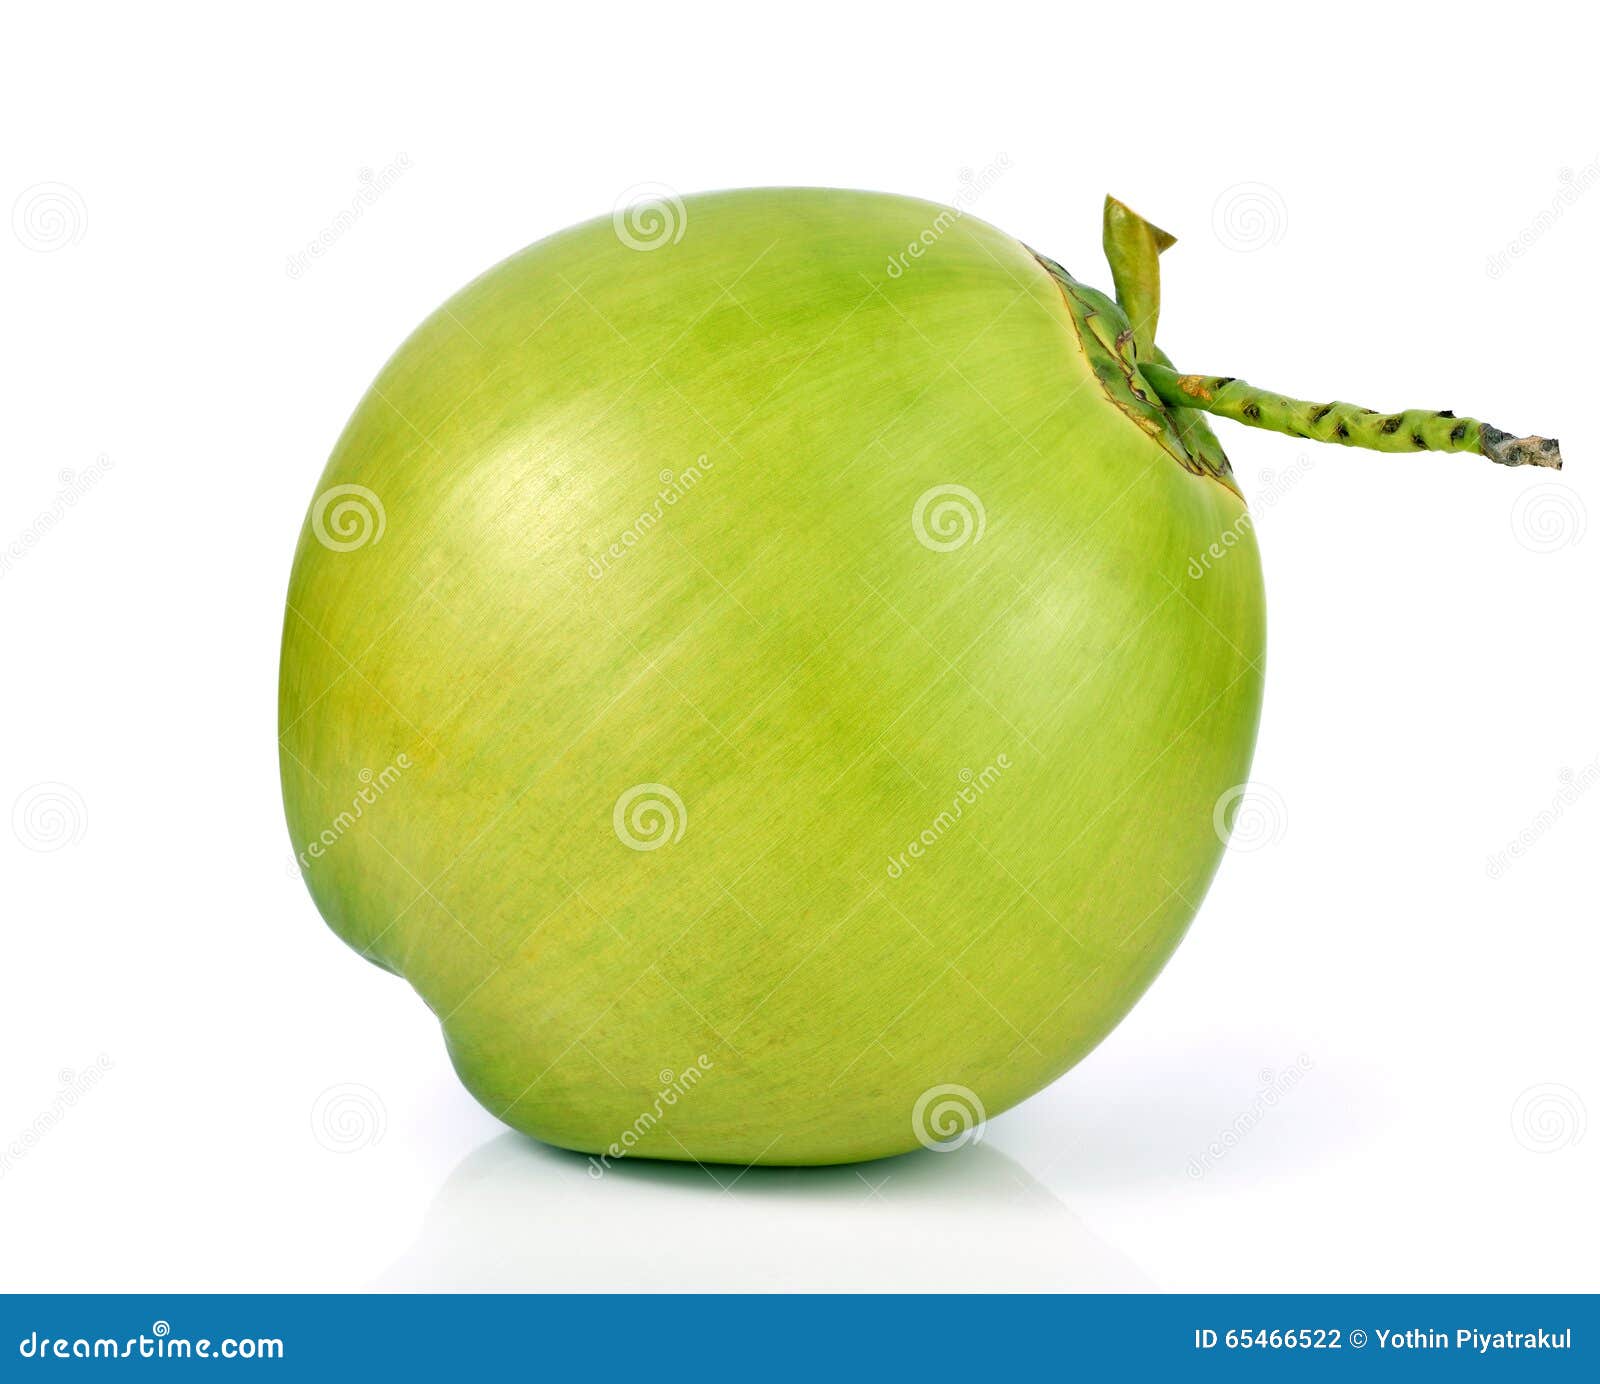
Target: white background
(1342,188)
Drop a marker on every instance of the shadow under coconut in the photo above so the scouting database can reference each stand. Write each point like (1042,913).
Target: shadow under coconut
(518,1215)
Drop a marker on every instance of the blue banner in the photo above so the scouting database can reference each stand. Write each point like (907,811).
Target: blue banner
(697,1337)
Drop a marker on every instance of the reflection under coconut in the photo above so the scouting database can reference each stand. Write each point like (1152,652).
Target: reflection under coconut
(517,1215)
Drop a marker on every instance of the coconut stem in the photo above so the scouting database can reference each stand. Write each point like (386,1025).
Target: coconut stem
(1415,430)
(1132,245)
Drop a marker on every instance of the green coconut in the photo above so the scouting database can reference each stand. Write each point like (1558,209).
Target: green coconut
(745,668)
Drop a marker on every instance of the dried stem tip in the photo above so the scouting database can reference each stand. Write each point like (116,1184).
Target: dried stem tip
(1415,430)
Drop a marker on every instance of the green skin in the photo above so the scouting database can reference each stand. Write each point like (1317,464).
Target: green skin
(1051,713)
